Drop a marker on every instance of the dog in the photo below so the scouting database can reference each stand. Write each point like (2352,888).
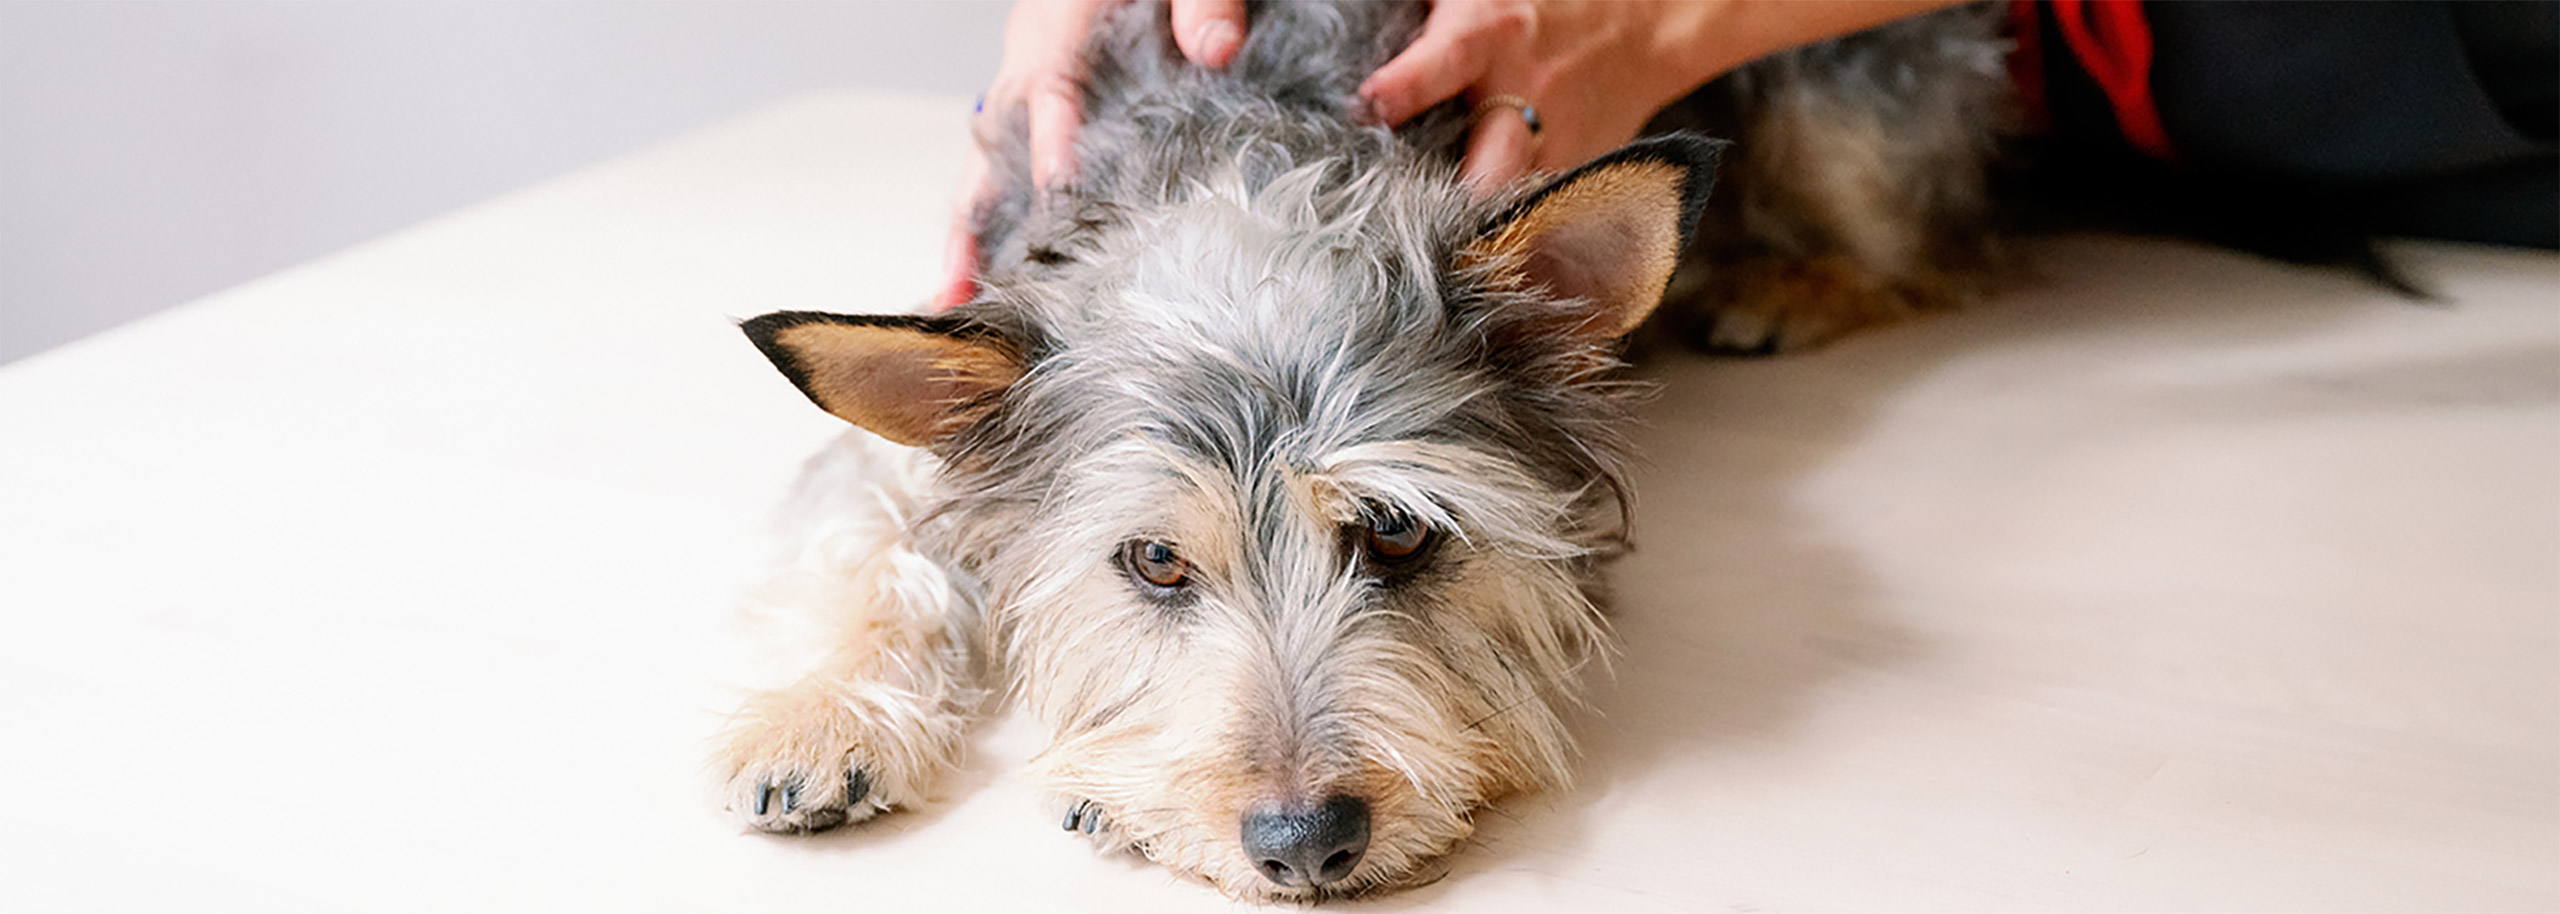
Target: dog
(1271,469)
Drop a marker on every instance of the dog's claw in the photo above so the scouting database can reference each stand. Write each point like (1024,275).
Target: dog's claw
(1083,817)
(777,802)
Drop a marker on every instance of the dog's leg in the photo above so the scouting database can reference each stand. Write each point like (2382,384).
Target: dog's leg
(871,635)
(1855,196)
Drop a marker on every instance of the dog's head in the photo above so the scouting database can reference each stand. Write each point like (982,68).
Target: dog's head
(1286,493)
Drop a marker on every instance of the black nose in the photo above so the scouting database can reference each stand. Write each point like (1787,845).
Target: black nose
(1300,846)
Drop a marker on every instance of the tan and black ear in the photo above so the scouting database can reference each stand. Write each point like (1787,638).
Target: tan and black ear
(1605,236)
(912,380)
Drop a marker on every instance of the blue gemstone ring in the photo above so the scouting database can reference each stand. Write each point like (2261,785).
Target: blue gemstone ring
(1528,112)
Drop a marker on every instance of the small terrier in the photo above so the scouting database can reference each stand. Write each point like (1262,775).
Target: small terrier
(1270,468)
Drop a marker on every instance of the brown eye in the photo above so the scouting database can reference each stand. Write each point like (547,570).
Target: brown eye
(1154,562)
(1396,536)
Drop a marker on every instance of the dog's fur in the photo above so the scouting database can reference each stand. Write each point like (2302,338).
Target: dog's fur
(1276,342)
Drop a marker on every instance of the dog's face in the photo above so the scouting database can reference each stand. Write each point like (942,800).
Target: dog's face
(1285,498)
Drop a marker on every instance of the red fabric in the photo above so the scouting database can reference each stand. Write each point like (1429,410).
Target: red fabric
(2026,64)
(2111,41)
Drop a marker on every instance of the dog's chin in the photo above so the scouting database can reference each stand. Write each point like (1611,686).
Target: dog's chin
(1414,855)
(1241,883)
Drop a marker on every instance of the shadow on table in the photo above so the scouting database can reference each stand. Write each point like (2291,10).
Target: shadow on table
(1737,614)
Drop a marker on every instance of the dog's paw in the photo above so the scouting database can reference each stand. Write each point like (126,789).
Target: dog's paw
(788,782)
(810,759)
(1768,306)
(1088,820)
(802,802)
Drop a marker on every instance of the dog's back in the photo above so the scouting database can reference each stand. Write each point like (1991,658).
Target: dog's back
(1860,198)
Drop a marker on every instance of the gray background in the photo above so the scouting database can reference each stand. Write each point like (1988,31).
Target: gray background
(156,152)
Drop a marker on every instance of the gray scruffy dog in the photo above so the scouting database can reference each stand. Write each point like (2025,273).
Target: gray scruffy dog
(1270,467)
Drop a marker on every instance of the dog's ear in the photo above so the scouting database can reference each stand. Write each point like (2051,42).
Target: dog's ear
(1604,237)
(909,379)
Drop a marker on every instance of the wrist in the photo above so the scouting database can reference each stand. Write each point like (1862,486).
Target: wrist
(1695,43)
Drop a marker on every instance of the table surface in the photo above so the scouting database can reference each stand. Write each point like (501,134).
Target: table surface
(2172,580)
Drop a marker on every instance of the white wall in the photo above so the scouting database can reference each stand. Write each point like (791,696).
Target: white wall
(155,152)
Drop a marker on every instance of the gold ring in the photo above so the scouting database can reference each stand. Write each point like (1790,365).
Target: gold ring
(1528,112)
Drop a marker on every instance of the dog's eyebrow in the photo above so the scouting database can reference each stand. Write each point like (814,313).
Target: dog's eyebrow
(1484,499)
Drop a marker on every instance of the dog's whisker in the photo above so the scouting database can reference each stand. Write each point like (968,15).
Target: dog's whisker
(1506,709)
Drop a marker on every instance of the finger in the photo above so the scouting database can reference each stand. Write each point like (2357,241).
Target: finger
(1209,31)
(1437,67)
(1043,42)
(1499,150)
(960,248)
(1053,132)
(959,270)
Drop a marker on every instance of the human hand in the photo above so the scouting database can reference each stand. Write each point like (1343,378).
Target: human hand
(1043,63)
(1595,71)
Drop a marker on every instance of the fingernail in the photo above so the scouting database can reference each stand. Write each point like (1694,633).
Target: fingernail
(1378,109)
(1218,40)
(1364,111)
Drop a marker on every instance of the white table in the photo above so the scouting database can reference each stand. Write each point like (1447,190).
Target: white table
(2176,581)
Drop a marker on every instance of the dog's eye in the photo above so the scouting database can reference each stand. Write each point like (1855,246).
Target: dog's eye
(1395,535)
(1155,562)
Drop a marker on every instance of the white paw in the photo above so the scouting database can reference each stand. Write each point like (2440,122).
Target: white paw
(811,759)
(795,800)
